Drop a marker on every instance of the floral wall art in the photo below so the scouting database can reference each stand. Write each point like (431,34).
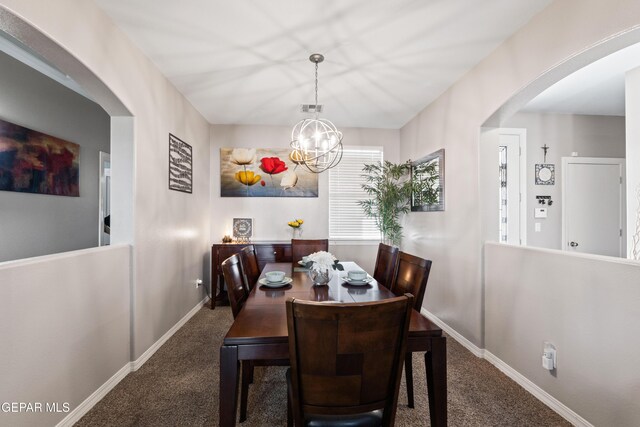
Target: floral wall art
(264,172)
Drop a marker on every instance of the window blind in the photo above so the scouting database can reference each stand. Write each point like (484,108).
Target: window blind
(346,217)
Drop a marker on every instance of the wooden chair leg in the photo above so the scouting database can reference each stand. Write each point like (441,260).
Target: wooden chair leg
(289,412)
(247,371)
(408,370)
(251,373)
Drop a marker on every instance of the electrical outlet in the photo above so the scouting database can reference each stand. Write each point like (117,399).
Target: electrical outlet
(198,283)
(549,356)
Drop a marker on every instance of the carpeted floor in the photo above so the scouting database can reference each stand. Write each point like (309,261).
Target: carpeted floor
(178,386)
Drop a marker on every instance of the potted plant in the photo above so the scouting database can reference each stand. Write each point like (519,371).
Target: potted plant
(391,188)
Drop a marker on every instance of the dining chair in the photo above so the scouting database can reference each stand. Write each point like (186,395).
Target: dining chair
(346,361)
(235,282)
(304,247)
(411,276)
(238,293)
(250,266)
(238,290)
(385,264)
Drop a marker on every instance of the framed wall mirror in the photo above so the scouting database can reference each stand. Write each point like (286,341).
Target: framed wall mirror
(427,178)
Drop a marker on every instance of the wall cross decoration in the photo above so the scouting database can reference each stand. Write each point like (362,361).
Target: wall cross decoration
(545,148)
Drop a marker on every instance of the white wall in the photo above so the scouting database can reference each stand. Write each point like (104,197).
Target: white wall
(271,214)
(39,224)
(171,229)
(64,323)
(589,136)
(587,306)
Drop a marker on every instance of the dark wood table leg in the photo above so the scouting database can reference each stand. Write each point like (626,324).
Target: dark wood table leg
(436,366)
(229,370)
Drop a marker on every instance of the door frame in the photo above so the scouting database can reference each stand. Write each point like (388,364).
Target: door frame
(603,161)
(522,138)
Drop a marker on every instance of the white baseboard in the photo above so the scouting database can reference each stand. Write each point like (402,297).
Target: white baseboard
(137,364)
(553,403)
(477,351)
(75,415)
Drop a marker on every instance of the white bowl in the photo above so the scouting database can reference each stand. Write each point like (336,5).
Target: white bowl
(275,276)
(357,274)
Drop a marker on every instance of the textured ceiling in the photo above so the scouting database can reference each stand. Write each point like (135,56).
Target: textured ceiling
(246,61)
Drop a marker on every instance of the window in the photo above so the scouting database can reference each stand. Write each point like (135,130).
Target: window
(346,218)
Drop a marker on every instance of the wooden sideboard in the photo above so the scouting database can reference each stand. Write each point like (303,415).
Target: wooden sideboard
(265,251)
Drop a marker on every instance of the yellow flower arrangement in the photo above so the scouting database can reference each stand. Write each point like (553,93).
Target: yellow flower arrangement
(296,223)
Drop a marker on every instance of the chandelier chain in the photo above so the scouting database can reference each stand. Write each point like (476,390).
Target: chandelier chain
(316,89)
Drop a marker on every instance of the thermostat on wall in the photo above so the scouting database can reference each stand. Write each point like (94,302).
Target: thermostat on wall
(540,213)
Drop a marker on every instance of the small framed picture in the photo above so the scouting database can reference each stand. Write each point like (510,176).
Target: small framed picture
(242,229)
(545,174)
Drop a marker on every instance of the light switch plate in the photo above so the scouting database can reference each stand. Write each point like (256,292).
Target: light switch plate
(538,227)
(540,213)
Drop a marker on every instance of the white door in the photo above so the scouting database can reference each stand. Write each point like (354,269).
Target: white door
(592,198)
(509,155)
(503,184)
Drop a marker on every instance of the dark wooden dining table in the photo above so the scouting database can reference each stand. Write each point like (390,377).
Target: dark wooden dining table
(260,332)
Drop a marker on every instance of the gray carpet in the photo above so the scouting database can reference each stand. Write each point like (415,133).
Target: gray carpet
(178,386)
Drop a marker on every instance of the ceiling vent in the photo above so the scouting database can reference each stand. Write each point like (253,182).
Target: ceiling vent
(311,108)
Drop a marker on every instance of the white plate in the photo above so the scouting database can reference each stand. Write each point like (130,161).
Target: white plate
(358,282)
(269,284)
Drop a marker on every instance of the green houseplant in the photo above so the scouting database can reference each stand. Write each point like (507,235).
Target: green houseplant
(392,189)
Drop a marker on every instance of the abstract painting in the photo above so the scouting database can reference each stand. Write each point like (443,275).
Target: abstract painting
(34,162)
(264,172)
(180,165)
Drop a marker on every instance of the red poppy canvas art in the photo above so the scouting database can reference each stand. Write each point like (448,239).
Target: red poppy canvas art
(34,162)
(263,172)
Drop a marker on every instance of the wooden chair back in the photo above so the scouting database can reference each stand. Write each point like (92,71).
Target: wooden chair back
(234,279)
(347,358)
(250,266)
(304,247)
(411,276)
(385,264)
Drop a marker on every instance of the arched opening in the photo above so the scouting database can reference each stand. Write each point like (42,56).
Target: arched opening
(39,226)
(576,142)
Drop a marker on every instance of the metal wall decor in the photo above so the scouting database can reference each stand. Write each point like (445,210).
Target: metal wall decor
(545,174)
(427,176)
(180,165)
(242,229)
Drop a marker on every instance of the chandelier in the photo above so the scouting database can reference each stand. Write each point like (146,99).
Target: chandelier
(316,142)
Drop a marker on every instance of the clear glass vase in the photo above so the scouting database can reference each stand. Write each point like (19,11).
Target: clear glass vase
(320,275)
